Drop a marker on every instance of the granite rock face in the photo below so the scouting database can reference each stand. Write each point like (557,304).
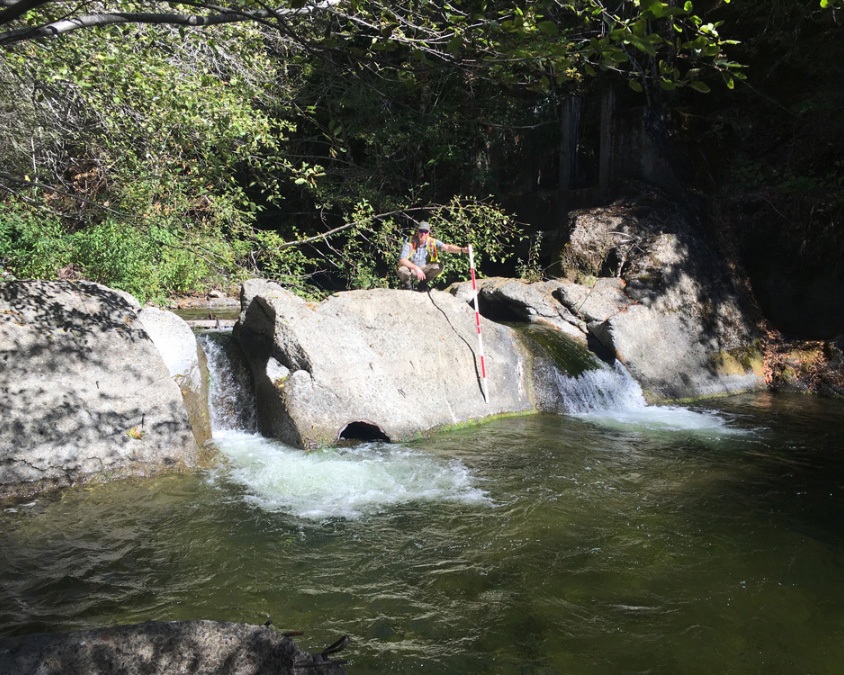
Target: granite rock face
(163,648)
(186,362)
(84,392)
(683,326)
(393,364)
(646,286)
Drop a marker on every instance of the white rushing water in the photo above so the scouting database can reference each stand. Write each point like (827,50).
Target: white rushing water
(341,482)
(610,396)
(329,483)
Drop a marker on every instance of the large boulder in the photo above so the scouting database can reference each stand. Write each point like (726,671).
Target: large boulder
(84,392)
(647,287)
(676,318)
(163,648)
(186,362)
(504,299)
(379,363)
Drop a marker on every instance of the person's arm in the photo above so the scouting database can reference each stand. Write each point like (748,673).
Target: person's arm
(451,248)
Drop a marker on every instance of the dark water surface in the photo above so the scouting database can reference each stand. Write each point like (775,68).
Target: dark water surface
(544,544)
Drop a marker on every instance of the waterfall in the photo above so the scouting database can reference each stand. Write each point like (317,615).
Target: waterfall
(608,395)
(602,388)
(232,397)
(368,478)
(330,483)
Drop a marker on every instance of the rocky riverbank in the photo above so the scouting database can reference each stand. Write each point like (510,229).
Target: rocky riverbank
(96,387)
(165,648)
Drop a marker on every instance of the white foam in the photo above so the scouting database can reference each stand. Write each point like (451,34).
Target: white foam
(341,482)
(610,396)
(661,418)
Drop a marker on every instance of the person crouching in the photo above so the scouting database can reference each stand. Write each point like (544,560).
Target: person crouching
(419,257)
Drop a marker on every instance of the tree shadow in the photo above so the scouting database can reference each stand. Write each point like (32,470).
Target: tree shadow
(80,372)
(716,306)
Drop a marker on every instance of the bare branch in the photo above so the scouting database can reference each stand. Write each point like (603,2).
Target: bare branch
(329,233)
(15,10)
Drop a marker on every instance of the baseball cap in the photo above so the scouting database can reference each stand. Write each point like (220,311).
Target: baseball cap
(423,226)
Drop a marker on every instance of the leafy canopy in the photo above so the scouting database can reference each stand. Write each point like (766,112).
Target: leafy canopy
(244,137)
(539,42)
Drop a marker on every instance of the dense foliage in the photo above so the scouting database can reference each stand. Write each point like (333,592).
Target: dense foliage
(164,147)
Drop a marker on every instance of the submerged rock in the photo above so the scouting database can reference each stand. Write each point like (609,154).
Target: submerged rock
(374,364)
(84,391)
(163,648)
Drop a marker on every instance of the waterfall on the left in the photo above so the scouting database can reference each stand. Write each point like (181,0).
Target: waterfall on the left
(232,398)
(334,482)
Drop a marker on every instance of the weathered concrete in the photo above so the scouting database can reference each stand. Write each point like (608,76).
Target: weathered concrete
(399,363)
(83,390)
(162,648)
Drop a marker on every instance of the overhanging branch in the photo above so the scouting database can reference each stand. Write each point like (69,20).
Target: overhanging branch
(222,15)
(15,10)
(326,235)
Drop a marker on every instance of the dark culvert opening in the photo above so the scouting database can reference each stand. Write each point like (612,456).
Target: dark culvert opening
(363,431)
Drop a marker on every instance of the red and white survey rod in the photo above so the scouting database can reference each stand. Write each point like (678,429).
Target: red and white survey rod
(478,323)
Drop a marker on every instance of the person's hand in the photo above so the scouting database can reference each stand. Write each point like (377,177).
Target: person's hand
(420,275)
(465,249)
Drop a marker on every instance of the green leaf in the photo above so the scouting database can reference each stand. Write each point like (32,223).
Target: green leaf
(702,87)
(548,28)
(641,45)
(617,56)
(652,6)
(635,86)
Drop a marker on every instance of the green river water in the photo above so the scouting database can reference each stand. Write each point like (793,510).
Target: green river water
(632,540)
